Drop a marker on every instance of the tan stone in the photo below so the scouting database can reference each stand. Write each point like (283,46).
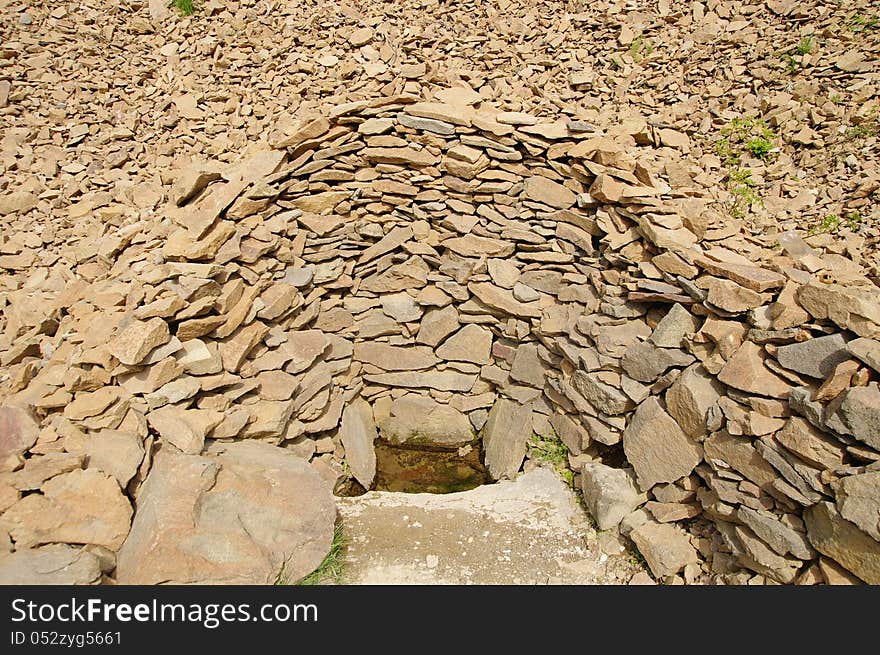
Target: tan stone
(134,342)
(540,189)
(657,447)
(79,507)
(746,371)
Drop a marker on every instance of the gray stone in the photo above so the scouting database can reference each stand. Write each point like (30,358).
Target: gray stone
(665,547)
(505,436)
(775,533)
(299,277)
(673,327)
(527,366)
(427,124)
(358,432)
(799,400)
(420,420)
(525,293)
(657,447)
(814,357)
(250,513)
(860,413)
(645,362)
(610,494)
(602,396)
(842,541)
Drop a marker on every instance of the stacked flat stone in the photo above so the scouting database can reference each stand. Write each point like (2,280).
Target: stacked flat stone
(401,269)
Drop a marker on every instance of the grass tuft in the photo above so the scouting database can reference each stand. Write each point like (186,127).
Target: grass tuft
(640,48)
(551,451)
(330,571)
(805,45)
(185,7)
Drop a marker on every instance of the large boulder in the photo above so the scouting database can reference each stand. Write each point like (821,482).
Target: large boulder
(247,513)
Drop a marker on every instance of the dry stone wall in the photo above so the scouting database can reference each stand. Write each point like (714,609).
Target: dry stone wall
(433,270)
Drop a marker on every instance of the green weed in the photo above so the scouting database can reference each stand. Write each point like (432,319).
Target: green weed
(833,222)
(550,450)
(805,45)
(330,570)
(861,23)
(640,48)
(747,134)
(742,186)
(185,7)
(759,146)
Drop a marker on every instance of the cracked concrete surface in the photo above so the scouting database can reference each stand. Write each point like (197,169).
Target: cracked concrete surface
(531,530)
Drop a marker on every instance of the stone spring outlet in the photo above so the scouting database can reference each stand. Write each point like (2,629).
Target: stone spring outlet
(444,275)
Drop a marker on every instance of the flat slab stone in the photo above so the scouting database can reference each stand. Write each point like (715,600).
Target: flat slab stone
(420,420)
(394,358)
(657,447)
(358,432)
(816,357)
(505,434)
(439,380)
(527,531)
(746,371)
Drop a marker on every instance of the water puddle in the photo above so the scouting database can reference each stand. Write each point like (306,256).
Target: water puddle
(413,469)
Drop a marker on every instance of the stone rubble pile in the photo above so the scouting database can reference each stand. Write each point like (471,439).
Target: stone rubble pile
(435,270)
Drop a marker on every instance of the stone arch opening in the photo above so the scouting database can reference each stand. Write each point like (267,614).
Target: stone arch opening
(406,283)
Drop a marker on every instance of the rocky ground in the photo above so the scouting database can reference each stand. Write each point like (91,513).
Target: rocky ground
(238,248)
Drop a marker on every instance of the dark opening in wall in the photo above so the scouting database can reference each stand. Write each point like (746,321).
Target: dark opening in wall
(417,469)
